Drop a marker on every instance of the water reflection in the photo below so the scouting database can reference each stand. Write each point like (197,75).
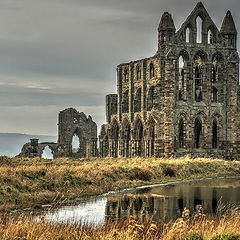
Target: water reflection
(159,202)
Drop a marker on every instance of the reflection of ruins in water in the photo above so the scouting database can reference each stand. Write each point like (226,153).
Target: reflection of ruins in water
(167,202)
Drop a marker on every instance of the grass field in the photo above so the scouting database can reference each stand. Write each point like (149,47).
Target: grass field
(33,182)
(197,227)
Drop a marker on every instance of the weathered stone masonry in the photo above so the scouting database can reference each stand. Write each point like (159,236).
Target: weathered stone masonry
(183,100)
(70,123)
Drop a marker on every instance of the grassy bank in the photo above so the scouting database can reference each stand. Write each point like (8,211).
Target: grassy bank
(32,182)
(197,227)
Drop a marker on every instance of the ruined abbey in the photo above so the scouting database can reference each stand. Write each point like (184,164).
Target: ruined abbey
(183,100)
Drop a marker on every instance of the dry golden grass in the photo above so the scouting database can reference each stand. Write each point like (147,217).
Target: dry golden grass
(32,182)
(197,227)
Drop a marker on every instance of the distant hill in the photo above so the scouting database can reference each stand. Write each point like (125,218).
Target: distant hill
(11,143)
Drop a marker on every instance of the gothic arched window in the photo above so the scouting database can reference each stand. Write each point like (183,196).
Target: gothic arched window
(197,132)
(199,23)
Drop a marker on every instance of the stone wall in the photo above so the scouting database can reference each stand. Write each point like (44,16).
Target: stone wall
(184,99)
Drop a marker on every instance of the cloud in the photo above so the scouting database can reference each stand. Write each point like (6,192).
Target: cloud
(61,53)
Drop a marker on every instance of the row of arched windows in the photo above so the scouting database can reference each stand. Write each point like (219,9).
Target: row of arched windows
(139,73)
(120,142)
(138,100)
(198,134)
(199,25)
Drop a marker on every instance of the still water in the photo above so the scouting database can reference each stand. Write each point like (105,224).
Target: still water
(159,202)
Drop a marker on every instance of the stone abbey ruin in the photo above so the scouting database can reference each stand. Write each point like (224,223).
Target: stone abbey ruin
(183,100)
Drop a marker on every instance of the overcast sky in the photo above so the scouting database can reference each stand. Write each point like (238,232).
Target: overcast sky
(56,54)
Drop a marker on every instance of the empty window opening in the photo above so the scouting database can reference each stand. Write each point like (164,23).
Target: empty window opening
(199,23)
(187,35)
(215,94)
(197,132)
(210,37)
(214,134)
(152,70)
(181,134)
(47,153)
(75,144)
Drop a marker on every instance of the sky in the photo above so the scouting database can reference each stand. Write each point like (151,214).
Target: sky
(56,54)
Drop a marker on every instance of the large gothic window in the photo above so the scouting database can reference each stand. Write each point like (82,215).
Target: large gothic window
(137,100)
(199,23)
(197,132)
(181,134)
(214,134)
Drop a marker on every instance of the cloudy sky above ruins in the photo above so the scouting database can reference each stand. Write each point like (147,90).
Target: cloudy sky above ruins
(60,53)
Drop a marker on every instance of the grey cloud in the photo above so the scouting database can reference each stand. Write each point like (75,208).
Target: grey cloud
(64,52)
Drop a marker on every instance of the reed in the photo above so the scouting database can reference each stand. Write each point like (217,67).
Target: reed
(196,227)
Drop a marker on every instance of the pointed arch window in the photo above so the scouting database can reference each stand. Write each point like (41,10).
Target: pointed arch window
(199,23)
(197,132)
(210,37)
(188,35)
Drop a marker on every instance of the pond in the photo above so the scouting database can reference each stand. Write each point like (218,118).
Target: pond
(159,202)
